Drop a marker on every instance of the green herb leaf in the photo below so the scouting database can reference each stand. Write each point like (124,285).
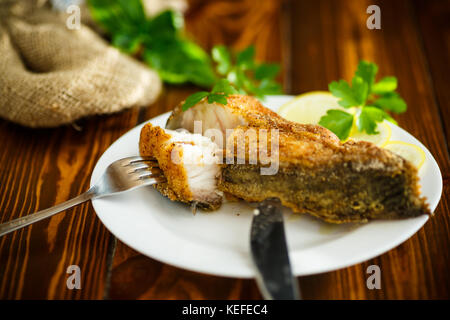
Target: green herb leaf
(389,118)
(127,43)
(118,17)
(367,71)
(385,85)
(165,49)
(165,24)
(360,90)
(193,99)
(343,90)
(222,56)
(243,80)
(247,76)
(178,61)
(368,119)
(267,71)
(218,94)
(392,102)
(338,121)
(245,58)
(267,87)
(232,77)
(374,99)
(224,86)
(219,98)
(162,44)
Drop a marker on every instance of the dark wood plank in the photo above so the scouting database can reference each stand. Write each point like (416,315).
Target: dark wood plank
(138,277)
(329,38)
(237,24)
(434,25)
(38,169)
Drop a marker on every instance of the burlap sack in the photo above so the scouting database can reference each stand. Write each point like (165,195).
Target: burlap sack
(51,75)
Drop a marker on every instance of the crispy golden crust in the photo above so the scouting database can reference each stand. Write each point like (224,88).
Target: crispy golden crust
(256,115)
(259,116)
(153,143)
(350,182)
(297,147)
(342,174)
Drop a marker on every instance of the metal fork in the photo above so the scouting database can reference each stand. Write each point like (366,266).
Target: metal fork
(121,175)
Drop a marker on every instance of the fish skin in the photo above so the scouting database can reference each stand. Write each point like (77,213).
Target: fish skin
(336,182)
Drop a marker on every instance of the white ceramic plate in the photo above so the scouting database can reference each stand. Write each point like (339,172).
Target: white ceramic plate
(218,243)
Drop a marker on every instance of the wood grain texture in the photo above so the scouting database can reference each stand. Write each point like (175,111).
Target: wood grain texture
(434,26)
(329,48)
(316,42)
(40,168)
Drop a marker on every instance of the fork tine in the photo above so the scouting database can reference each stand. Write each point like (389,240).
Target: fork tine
(139,159)
(149,163)
(141,174)
(145,168)
(131,160)
(158,178)
(138,166)
(150,181)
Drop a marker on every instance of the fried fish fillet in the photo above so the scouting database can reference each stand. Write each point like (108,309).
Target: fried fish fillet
(189,163)
(317,174)
(350,182)
(240,110)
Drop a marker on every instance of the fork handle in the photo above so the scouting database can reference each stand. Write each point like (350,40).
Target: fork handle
(12,225)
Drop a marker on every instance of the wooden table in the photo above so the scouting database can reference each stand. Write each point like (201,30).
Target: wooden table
(316,41)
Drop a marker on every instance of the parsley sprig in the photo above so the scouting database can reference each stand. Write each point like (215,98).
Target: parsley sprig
(241,70)
(240,74)
(219,93)
(373,99)
(160,41)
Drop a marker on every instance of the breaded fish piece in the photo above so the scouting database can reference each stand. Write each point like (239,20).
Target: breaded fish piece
(334,181)
(350,182)
(240,110)
(189,163)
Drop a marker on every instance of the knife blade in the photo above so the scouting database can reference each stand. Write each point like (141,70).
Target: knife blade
(270,253)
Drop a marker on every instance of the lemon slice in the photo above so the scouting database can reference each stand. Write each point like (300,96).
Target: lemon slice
(310,107)
(408,151)
(380,139)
